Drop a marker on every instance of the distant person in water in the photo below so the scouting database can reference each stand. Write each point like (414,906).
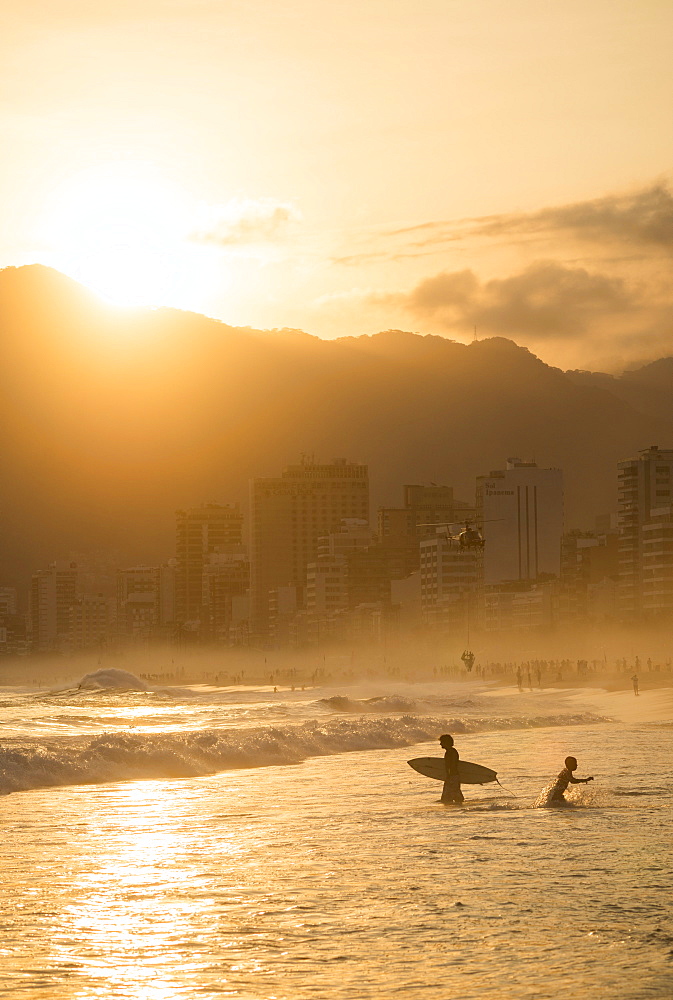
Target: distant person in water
(564,779)
(634,681)
(451,791)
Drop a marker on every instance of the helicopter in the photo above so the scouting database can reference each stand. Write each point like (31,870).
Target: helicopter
(469,538)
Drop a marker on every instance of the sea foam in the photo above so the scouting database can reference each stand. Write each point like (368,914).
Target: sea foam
(129,756)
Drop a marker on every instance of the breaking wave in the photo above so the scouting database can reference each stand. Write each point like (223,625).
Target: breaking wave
(112,679)
(128,756)
(381,704)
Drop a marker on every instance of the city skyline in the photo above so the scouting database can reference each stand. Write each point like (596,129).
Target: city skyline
(311,569)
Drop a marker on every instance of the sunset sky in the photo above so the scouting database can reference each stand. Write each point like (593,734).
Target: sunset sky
(347,167)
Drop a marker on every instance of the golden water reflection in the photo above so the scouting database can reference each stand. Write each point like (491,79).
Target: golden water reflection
(143,902)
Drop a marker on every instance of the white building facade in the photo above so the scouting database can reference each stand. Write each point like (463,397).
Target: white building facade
(520,514)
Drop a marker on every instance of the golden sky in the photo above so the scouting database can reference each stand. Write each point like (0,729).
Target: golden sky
(346,167)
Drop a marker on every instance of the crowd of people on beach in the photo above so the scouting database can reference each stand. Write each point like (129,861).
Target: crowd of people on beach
(281,673)
(530,674)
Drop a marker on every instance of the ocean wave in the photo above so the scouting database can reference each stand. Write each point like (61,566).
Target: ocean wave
(421,704)
(381,704)
(112,679)
(129,756)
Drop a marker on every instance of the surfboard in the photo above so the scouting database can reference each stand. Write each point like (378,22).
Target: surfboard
(469,774)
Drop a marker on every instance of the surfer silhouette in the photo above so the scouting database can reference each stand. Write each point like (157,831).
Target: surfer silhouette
(451,791)
(564,779)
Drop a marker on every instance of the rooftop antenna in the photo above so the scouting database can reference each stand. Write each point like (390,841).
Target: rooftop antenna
(474,335)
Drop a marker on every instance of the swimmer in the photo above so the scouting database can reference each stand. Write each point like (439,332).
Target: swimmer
(564,779)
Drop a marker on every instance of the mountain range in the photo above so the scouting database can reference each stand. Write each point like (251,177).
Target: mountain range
(111,419)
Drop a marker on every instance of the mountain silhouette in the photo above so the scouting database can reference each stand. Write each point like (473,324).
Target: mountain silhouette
(111,419)
(649,389)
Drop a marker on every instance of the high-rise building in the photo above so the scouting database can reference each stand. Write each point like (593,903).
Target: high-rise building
(12,623)
(351,571)
(520,514)
(657,576)
(327,586)
(91,617)
(137,601)
(167,597)
(53,593)
(8,601)
(449,575)
(226,576)
(202,532)
(645,498)
(327,579)
(289,514)
(352,535)
(589,568)
(400,529)
(146,600)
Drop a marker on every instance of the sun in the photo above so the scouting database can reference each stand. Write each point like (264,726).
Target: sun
(123,230)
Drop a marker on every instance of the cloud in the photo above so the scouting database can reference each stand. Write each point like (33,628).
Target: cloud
(356,259)
(592,279)
(641,220)
(644,218)
(547,301)
(245,222)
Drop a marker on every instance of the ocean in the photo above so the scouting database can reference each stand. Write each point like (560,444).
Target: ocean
(201,842)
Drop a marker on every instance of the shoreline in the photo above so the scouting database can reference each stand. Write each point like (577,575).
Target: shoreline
(653,704)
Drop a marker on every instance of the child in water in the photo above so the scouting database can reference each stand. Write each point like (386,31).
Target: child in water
(451,791)
(565,778)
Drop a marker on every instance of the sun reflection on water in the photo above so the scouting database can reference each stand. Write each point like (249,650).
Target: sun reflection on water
(144,897)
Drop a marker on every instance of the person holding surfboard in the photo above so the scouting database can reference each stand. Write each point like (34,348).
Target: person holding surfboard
(564,779)
(451,791)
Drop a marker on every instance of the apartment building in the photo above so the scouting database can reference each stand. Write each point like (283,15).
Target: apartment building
(289,514)
(645,494)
